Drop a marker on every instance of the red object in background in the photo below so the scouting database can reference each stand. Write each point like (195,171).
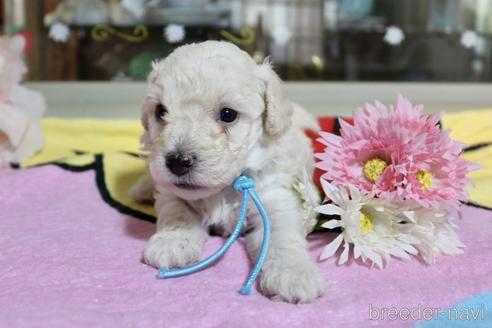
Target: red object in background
(327,124)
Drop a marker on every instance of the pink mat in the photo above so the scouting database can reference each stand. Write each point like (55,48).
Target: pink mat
(68,259)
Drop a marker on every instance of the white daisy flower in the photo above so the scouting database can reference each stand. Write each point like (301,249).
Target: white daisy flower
(435,231)
(370,225)
(59,32)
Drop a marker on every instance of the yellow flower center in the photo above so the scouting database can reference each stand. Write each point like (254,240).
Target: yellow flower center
(373,168)
(425,178)
(365,222)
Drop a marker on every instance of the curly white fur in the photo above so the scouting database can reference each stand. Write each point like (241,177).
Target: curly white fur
(266,141)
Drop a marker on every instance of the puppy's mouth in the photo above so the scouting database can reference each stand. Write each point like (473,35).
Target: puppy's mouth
(188,186)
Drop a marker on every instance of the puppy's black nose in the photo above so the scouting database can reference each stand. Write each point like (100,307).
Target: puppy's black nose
(179,163)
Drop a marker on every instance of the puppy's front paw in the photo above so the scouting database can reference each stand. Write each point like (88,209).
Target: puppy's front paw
(172,249)
(299,282)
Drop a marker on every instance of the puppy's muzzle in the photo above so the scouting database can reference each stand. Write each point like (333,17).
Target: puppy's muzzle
(179,163)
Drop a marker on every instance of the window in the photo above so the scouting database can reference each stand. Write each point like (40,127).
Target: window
(325,40)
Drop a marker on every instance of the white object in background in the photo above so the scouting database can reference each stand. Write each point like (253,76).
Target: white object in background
(20,108)
(472,40)
(135,7)
(59,32)
(330,14)
(127,12)
(87,12)
(394,35)
(174,33)
(281,35)
(477,66)
(469,39)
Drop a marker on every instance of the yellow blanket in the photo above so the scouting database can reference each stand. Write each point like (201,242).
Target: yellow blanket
(111,148)
(475,129)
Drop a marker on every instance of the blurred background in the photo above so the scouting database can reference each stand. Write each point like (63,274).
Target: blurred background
(307,40)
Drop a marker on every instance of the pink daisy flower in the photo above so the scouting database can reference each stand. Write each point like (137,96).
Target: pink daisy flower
(397,154)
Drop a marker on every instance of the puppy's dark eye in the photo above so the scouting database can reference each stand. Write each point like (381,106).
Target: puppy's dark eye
(160,112)
(228,115)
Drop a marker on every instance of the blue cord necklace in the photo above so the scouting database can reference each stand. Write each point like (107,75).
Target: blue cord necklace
(246,186)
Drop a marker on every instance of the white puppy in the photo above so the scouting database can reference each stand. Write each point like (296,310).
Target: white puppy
(210,114)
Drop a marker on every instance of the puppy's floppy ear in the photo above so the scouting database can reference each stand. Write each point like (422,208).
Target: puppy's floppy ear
(145,138)
(278,109)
